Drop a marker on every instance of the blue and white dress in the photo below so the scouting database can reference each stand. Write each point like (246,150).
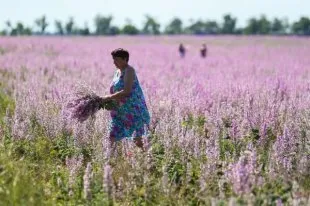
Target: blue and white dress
(131,119)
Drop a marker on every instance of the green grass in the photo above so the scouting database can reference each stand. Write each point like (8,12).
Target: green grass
(34,172)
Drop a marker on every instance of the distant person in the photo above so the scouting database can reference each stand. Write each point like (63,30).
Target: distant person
(182,50)
(203,51)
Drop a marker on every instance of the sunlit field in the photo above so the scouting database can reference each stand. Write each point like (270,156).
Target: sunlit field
(230,129)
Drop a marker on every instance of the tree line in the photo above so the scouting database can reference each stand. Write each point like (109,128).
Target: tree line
(104,26)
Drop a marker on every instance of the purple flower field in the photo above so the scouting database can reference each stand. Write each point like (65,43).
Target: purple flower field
(231,129)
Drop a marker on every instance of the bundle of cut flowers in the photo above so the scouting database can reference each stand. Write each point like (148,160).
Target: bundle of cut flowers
(85,103)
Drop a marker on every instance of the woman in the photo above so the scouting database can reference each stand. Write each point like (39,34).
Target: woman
(131,117)
(182,50)
(203,51)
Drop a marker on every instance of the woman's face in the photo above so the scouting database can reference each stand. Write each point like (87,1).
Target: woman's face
(119,62)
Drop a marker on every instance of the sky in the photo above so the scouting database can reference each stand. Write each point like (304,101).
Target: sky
(163,10)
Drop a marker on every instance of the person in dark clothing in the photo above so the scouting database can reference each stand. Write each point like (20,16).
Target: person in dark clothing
(182,50)
(203,51)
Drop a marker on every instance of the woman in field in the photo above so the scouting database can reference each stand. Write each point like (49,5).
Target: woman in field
(203,51)
(182,50)
(131,118)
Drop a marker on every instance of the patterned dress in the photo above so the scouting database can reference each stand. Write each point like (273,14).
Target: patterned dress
(131,119)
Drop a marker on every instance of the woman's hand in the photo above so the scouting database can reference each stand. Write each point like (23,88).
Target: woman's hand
(105,99)
(108,103)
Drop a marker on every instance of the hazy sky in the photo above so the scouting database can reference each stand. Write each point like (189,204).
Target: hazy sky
(163,10)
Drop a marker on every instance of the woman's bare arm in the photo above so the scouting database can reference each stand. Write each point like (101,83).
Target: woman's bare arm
(128,83)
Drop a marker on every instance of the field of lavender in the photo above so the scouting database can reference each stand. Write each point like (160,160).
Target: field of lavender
(231,129)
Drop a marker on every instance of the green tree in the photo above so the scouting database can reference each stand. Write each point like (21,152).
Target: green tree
(151,26)
(200,27)
(129,28)
(20,29)
(70,26)
(3,33)
(264,25)
(239,31)
(85,31)
(212,27)
(41,22)
(252,27)
(9,26)
(26,31)
(174,27)
(59,27)
(114,30)
(229,24)
(197,27)
(277,26)
(103,24)
(302,27)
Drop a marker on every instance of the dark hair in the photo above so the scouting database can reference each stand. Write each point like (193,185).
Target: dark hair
(122,53)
